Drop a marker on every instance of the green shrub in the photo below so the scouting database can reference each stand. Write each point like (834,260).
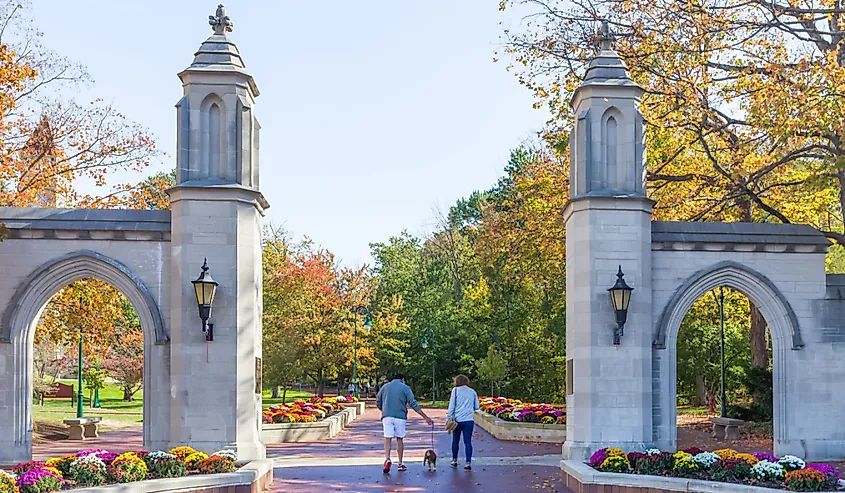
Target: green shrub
(730,470)
(170,468)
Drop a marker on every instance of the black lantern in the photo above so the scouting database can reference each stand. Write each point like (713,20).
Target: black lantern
(620,296)
(205,287)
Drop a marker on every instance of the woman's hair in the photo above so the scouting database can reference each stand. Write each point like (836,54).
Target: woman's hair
(461,380)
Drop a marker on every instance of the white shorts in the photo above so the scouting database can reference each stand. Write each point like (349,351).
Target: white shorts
(393,427)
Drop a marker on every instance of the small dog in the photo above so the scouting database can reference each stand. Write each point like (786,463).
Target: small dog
(430,459)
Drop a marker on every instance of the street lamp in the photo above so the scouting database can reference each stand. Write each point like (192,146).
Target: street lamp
(620,296)
(205,287)
(720,300)
(361,310)
(429,335)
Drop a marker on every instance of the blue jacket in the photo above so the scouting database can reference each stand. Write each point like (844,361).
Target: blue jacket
(394,398)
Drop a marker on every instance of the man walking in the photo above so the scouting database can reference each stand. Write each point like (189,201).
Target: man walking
(393,400)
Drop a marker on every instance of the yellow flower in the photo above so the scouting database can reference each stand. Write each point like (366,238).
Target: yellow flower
(681,455)
(615,452)
(182,452)
(194,458)
(725,453)
(53,470)
(750,459)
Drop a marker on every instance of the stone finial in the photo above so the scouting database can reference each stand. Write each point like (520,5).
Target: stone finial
(220,22)
(605,37)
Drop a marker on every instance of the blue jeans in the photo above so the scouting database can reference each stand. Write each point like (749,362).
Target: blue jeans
(464,428)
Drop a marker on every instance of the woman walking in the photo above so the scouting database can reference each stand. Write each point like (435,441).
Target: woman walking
(462,406)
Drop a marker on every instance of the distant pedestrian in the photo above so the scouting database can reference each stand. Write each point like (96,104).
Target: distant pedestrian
(351,388)
(367,389)
(377,387)
(462,406)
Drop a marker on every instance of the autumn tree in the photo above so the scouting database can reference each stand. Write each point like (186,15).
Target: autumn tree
(48,140)
(125,359)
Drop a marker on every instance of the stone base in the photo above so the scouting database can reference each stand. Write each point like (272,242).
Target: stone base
(523,432)
(581,451)
(12,453)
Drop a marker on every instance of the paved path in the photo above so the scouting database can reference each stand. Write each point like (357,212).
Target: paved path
(351,462)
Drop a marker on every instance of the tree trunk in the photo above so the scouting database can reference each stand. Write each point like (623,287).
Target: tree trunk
(276,392)
(320,384)
(127,395)
(284,393)
(700,391)
(757,338)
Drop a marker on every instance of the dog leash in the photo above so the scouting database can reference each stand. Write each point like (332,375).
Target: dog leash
(432,437)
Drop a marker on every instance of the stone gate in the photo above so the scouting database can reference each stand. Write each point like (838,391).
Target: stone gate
(206,395)
(625,396)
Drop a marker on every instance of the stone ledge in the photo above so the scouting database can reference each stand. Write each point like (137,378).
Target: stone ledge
(581,478)
(524,432)
(254,477)
(308,432)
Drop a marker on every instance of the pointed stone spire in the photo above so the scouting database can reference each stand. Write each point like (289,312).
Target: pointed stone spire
(607,67)
(218,51)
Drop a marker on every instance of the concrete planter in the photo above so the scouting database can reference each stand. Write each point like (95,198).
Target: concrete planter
(359,406)
(581,478)
(254,477)
(524,432)
(308,432)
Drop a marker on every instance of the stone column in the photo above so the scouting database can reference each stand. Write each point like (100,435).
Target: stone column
(608,225)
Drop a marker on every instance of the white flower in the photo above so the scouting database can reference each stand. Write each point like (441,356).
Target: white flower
(8,474)
(90,459)
(653,451)
(767,471)
(791,463)
(229,454)
(158,455)
(705,459)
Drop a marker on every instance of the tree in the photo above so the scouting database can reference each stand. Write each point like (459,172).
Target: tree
(47,140)
(493,369)
(125,360)
(49,361)
(95,379)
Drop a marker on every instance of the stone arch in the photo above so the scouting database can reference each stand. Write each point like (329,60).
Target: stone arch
(24,310)
(780,318)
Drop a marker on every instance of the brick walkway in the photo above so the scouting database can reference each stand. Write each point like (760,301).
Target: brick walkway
(351,462)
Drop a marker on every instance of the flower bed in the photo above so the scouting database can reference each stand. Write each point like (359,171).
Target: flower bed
(315,409)
(523,412)
(96,467)
(724,465)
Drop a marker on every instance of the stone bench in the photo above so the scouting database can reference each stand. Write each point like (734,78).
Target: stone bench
(726,428)
(82,428)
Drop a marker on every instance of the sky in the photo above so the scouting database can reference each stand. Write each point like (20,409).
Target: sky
(374,114)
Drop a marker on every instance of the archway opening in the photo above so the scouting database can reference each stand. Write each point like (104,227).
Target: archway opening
(784,332)
(94,316)
(723,325)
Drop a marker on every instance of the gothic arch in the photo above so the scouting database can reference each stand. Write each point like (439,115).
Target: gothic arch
(31,296)
(780,318)
(213,137)
(612,125)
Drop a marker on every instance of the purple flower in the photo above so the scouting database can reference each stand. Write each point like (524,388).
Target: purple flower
(33,476)
(598,458)
(829,471)
(107,457)
(765,456)
(90,451)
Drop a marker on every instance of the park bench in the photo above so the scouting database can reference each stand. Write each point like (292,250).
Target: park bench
(82,428)
(727,428)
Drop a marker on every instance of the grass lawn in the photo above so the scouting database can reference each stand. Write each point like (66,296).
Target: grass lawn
(291,396)
(115,412)
(696,411)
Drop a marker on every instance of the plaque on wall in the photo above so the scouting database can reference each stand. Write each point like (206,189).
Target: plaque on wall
(258,376)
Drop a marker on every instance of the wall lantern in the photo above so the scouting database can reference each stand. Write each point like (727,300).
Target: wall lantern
(205,287)
(620,296)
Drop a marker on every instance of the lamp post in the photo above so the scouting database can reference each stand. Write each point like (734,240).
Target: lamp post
(720,301)
(361,310)
(205,288)
(79,412)
(425,344)
(620,297)
(96,402)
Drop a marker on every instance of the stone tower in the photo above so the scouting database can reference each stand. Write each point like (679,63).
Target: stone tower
(217,213)
(608,225)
